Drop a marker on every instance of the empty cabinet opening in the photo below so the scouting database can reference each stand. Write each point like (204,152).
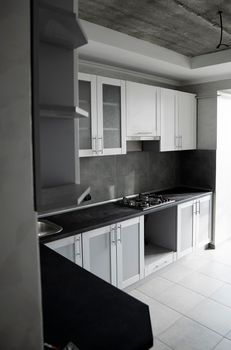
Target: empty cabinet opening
(160,241)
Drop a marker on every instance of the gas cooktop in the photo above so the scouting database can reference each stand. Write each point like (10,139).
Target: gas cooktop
(145,201)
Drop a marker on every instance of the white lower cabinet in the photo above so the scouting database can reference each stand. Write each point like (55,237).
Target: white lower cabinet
(70,248)
(99,253)
(115,253)
(194,220)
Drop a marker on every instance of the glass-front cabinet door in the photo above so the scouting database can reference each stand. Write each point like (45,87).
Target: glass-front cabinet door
(111,116)
(87,126)
(103,133)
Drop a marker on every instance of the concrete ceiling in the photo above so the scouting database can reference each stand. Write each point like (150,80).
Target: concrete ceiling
(189,27)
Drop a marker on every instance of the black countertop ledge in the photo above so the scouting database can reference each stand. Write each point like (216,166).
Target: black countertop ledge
(90,218)
(82,308)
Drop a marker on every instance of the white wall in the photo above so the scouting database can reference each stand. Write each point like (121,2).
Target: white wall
(20,301)
(223,170)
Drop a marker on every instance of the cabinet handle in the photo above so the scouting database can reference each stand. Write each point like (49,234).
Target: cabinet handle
(77,247)
(118,231)
(195,208)
(113,240)
(199,207)
(100,148)
(144,133)
(94,151)
(177,141)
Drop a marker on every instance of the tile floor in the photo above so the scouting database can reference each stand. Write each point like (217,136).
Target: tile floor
(190,302)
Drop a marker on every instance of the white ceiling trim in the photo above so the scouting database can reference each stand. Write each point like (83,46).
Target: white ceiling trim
(116,49)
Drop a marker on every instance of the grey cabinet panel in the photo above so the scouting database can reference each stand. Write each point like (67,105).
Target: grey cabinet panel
(130,237)
(100,258)
(111,116)
(67,251)
(186,228)
(85,127)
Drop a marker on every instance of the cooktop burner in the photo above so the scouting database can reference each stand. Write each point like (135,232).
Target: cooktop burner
(145,201)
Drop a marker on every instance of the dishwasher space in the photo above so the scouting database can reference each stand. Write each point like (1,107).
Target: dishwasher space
(160,238)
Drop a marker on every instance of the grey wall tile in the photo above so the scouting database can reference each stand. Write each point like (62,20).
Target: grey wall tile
(198,168)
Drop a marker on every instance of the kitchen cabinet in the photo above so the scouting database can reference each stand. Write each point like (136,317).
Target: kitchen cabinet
(143,118)
(185,228)
(193,225)
(204,221)
(178,120)
(99,253)
(104,132)
(70,248)
(56,34)
(116,252)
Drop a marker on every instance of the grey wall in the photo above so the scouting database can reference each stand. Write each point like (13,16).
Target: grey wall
(114,176)
(198,168)
(20,303)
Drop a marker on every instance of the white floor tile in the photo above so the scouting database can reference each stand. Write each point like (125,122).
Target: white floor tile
(180,298)
(212,315)
(158,345)
(186,334)
(141,296)
(162,317)
(201,283)
(155,286)
(228,335)
(217,270)
(193,262)
(225,344)
(175,272)
(223,295)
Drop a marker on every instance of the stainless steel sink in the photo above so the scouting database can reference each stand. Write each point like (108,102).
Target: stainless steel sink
(46,228)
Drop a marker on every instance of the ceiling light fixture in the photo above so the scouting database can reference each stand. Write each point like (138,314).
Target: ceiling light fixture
(221,35)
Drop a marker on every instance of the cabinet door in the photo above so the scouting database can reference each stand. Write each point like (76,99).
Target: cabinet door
(65,247)
(78,250)
(204,221)
(111,116)
(141,103)
(99,253)
(185,228)
(130,251)
(87,126)
(186,123)
(168,115)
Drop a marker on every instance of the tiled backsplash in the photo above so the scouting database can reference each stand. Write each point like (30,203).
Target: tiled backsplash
(114,176)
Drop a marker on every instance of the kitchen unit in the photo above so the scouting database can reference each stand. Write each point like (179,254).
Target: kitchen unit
(123,111)
(54,104)
(116,252)
(194,225)
(131,242)
(104,131)
(143,117)
(70,248)
(178,120)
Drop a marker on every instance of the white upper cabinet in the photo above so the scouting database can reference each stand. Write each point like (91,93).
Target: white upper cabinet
(142,111)
(104,131)
(186,120)
(168,113)
(178,120)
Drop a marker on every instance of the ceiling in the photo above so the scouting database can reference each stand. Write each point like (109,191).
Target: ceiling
(188,27)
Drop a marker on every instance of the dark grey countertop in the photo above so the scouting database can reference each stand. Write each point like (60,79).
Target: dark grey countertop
(90,218)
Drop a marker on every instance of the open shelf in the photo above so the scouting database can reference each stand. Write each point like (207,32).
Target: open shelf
(60,27)
(65,195)
(156,257)
(50,111)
